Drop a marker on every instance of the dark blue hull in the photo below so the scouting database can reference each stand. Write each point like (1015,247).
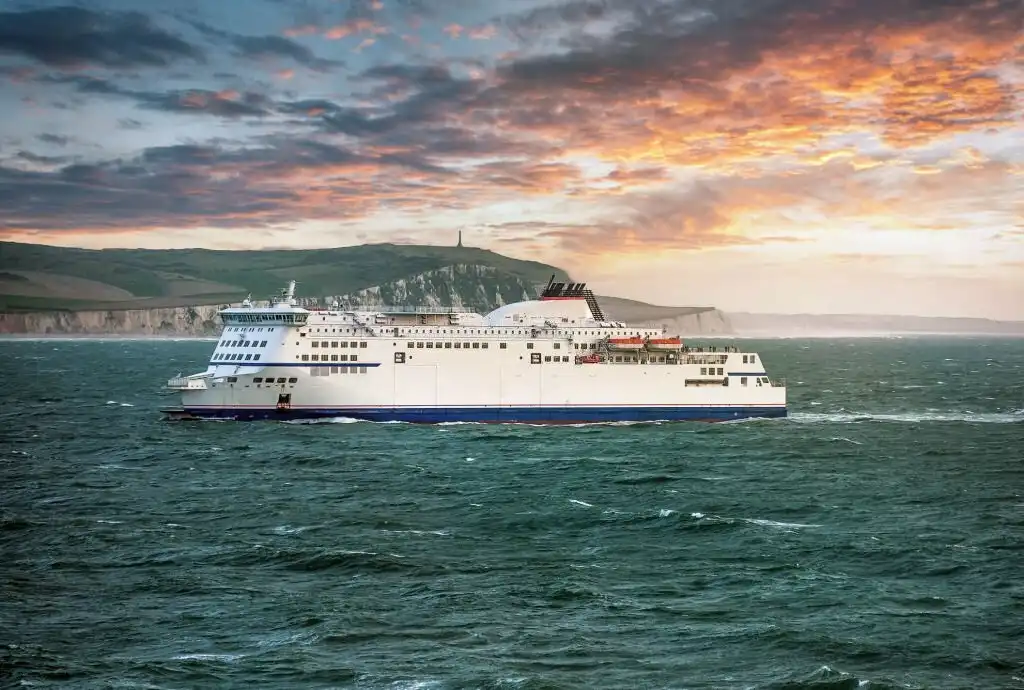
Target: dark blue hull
(492,415)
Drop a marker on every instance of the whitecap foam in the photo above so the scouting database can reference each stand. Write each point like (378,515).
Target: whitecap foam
(419,532)
(907,417)
(208,657)
(581,503)
(324,420)
(285,529)
(774,523)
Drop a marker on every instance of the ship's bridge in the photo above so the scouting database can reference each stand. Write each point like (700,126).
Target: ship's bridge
(241,316)
(281,312)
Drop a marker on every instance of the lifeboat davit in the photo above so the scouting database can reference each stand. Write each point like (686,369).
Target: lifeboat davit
(665,344)
(626,344)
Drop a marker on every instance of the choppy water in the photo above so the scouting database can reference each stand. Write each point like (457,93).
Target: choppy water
(874,539)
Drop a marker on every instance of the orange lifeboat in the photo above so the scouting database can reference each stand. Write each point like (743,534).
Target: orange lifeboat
(588,359)
(665,344)
(633,344)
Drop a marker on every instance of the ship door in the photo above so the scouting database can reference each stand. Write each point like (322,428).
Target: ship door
(284,401)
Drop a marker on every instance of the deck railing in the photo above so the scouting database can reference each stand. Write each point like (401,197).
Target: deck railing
(388,309)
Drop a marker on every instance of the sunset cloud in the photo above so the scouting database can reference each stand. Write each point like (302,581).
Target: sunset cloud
(575,128)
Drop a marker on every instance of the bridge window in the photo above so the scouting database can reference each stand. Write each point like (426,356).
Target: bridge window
(547,358)
(263,343)
(334,343)
(305,358)
(503,346)
(529,346)
(458,346)
(256,356)
(291,380)
(753,358)
(483,345)
(703,371)
(344,358)
(362,344)
(557,345)
(257,379)
(476,346)
(352,344)
(448,345)
(315,343)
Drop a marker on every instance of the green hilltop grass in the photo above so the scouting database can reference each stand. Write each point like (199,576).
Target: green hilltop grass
(41,277)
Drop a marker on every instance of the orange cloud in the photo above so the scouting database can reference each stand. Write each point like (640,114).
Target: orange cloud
(483,33)
(338,31)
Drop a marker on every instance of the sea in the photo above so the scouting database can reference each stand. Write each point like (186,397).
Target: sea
(872,539)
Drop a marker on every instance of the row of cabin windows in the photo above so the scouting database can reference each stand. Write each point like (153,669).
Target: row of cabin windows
(760,381)
(482,345)
(268,380)
(235,357)
(335,343)
(333,358)
(327,371)
(242,343)
(710,371)
(246,329)
(752,359)
(449,345)
(267,318)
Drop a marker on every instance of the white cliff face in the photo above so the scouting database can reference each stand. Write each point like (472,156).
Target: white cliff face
(710,322)
(186,321)
(465,286)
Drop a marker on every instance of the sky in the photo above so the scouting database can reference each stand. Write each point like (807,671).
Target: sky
(793,156)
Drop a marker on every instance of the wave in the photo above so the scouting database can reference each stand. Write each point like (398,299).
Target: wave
(1016,416)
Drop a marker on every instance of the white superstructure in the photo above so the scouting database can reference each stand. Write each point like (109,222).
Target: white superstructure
(551,360)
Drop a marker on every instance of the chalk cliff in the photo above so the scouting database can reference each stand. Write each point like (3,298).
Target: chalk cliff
(182,321)
(468,286)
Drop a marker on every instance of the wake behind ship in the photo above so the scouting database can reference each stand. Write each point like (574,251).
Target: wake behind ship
(556,359)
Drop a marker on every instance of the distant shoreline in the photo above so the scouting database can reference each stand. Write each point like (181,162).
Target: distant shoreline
(709,336)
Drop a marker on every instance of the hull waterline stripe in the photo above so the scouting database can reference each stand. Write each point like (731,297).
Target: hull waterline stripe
(538,414)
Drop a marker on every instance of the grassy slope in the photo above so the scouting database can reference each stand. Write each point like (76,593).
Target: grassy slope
(162,277)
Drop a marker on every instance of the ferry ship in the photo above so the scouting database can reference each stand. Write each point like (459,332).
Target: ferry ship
(556,359)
